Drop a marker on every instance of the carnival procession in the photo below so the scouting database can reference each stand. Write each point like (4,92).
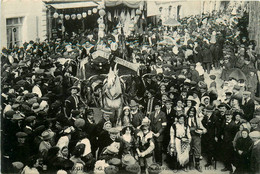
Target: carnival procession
(130,87)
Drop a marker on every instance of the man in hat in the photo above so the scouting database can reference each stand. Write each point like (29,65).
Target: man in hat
(30,123)
(150,101)
(145,145)
(248,106)
(136,116)
(227,99)
(209,139)
(196,130)
(105,117)
(91,129)
(158,125)
(227,134)
(193,73)
(254,122)
(73,101)
(171,118)
(255,153)
(113,134)
(21,149)
(46,144)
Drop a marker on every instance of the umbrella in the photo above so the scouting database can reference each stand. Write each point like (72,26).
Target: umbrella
(171,23)
(237,74)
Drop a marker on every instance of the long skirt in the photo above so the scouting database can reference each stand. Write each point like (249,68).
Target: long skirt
(182,149)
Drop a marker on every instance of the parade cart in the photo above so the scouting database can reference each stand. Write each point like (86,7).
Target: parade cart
(100,60)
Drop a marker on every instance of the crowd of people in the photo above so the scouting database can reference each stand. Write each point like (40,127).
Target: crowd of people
(179,119)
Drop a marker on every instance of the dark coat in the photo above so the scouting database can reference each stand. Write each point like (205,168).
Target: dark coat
(158,124)
(207,56)
(70,104)
(243,160)
(249,109)
(137,119)
(255,159)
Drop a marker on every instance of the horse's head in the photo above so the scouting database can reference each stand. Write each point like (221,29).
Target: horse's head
(113,86)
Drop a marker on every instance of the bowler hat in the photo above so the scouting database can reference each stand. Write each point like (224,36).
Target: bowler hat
(30,119)
(210,108)
(36,107)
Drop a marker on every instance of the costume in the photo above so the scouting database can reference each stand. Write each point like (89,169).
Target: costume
(145,144)
(180,143)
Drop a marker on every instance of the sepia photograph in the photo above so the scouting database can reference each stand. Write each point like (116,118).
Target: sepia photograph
(130,87)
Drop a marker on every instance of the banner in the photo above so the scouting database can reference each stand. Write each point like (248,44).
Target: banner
(100,53)
(133,66)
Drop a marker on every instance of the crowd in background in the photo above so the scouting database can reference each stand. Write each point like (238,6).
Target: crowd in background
(180,118)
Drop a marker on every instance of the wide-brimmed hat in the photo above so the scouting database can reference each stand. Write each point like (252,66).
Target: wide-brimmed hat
(17,116)
(190,98)
(46,135)
(133,103)
(126,108)
(128,160)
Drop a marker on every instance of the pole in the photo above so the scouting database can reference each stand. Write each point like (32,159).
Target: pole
(49,23)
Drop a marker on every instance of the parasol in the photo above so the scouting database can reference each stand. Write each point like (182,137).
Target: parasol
(171,23)
(237,74)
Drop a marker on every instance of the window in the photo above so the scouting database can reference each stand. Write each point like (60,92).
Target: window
(13,31)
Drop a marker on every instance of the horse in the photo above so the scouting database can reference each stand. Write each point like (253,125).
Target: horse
(135,88)
(112,93)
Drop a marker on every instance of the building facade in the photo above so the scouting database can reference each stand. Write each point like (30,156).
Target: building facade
(22,21)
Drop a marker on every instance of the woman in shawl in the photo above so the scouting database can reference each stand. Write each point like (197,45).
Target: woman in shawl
(243,152)
(179,146)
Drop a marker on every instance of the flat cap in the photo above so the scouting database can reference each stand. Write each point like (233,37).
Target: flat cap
(21,135)
(254,134)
